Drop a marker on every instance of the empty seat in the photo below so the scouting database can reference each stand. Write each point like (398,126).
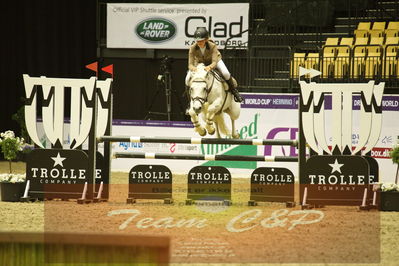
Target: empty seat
(378,29)
(297,61)
(378,25)
(359,56)
(366,25)
(374,56)
(361,33)
(312,61)
(392,30)
(328,55)
(362,30)
(341,62)
(346,41)
(391,57)
(393,25)
(332,41)
(391,33)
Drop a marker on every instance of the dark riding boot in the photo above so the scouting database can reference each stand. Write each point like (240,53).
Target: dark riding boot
(234,91)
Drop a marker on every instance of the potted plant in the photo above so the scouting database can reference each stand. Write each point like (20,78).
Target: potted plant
(394,154)
(12,185)
(389,192)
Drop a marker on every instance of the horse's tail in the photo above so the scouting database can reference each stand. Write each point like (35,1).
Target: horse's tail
(219,120)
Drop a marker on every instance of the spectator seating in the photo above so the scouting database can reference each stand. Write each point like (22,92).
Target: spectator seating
(392,30)
(372,52)
(391,57)
(342,61)
(377,30)
(362,29)
(312,61)
(297,61)
(329,51)
(359,56)
(374,57)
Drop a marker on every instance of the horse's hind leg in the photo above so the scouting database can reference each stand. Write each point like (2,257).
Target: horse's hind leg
(234,113)
(217,131)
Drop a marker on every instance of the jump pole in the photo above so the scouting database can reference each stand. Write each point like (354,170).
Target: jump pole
(221,157)
(300,144)
(183,140)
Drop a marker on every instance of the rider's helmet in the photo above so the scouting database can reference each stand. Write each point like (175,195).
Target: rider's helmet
(201,34)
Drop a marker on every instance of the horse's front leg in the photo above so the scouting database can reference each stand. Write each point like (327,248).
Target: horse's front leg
(197,125)
(210,114)
(234,133)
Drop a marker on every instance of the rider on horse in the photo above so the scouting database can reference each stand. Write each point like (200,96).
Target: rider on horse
(205,51)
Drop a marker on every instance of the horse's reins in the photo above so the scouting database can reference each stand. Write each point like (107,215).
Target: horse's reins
(208,90)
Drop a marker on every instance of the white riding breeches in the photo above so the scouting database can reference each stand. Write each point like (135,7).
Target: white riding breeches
(220,66)
(223,69)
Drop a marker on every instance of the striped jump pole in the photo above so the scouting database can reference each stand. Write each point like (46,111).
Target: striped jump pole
(250,158)
(281,142)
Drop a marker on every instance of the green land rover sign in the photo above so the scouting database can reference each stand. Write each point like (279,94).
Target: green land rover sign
(156,30)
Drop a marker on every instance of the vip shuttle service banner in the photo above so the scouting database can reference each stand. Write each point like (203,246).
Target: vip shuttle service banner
(266,116)
(172,26)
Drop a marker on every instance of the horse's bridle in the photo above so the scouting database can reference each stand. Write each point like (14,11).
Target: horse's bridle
(207,90)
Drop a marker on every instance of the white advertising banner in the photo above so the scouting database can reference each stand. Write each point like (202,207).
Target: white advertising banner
(266,116)
(172,26)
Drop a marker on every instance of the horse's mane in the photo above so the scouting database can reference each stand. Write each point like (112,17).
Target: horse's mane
(200,73)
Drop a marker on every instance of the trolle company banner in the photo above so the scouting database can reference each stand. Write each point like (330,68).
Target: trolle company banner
(172,26)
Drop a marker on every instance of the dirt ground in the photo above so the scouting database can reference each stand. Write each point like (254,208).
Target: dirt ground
(209,232)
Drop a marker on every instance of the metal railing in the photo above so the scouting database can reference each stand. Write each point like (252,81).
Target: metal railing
(360,64)
(263,67)
(260,67)
(276,69)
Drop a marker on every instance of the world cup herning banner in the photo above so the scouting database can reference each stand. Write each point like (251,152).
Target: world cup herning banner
(172,26)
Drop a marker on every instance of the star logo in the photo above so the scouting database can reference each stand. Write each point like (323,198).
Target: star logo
(336,167)
(58,160)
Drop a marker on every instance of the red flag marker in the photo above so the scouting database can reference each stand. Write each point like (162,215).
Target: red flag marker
(93,67)
(109,69)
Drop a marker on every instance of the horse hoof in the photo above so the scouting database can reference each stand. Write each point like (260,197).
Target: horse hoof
(202,132)
(211,131)
(236,136)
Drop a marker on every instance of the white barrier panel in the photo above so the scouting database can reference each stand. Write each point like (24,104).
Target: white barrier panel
(263,116)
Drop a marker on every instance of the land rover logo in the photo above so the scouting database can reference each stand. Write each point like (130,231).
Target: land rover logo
(156,30)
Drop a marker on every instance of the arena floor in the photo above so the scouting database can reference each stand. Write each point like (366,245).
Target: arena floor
(237,234)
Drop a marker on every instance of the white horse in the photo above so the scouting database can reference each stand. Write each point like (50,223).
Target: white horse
(210,99)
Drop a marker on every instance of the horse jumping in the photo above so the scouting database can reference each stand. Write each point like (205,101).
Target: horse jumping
(209,99)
